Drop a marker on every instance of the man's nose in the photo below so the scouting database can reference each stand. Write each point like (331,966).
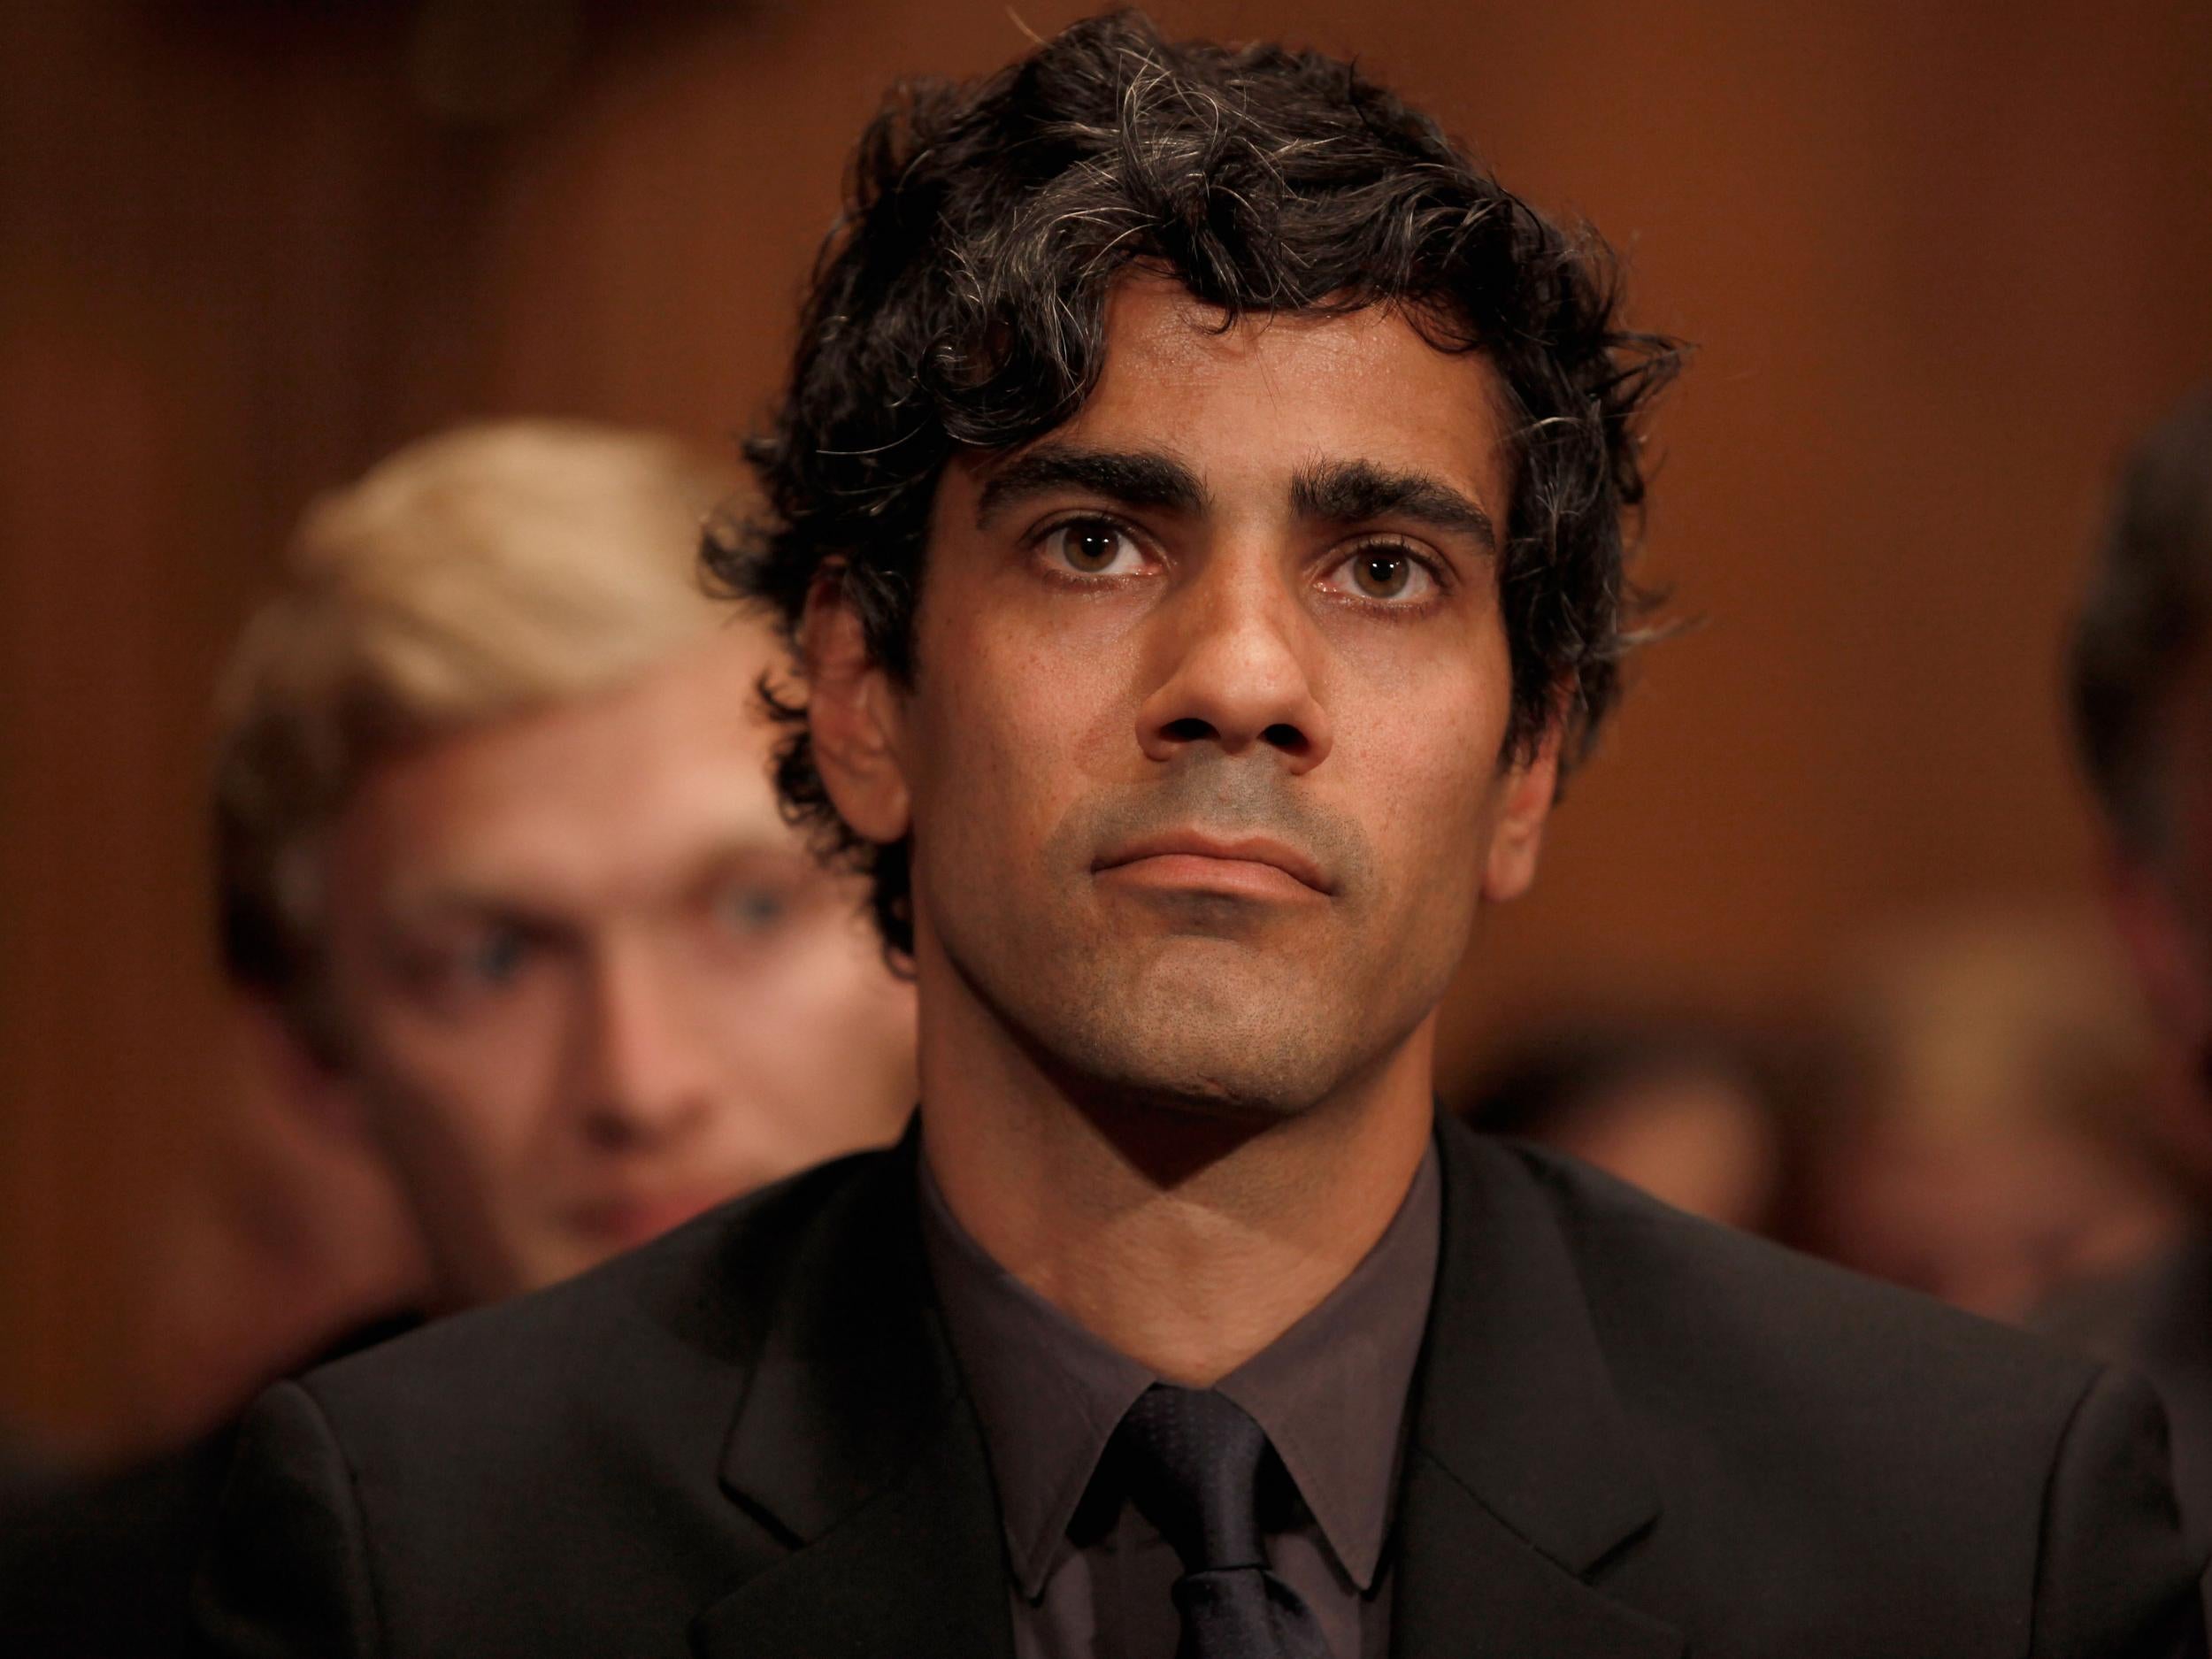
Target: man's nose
(1243,657)
(647,1079)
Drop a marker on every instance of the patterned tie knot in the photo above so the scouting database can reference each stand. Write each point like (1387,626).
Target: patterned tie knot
(1192,1458)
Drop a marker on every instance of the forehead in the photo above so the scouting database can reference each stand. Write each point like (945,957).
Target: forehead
(605,796)
(1274,392)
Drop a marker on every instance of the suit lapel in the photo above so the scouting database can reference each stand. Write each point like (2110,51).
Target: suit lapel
(917,1571)
(1522,1478)
(856,1444)
(1471,1587)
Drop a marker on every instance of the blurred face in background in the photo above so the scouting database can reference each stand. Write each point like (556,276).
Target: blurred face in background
(589,984)
(1996,1219)
(1986,1144)
(1695,1136)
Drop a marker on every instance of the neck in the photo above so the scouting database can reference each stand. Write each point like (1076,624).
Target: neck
(1186,1241)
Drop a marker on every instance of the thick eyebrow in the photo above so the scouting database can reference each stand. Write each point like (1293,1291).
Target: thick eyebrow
(1352,492)
(1134,478)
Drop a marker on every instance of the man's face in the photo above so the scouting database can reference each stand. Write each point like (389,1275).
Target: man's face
(591,982)
(1204,750)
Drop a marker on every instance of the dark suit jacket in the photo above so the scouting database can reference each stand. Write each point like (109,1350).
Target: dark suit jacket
(98,1570)
(1635,1436)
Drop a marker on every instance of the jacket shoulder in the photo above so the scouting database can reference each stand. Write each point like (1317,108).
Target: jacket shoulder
(672,1323)
(408,1499)
(2004,1494)
(1667,1290)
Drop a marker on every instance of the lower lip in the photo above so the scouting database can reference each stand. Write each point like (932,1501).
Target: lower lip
(1191,873)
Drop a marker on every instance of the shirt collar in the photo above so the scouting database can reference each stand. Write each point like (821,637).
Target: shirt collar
(1330,1391)
(1048,1394)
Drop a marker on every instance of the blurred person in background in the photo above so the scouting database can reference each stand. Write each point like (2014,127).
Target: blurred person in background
(2141,684)
(1984,1140)
(504,886)
(1690,1112)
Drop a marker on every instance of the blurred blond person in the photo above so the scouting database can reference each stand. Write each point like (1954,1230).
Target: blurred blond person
(500,858)
(504,886)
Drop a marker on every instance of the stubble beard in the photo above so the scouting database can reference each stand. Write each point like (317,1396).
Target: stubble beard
(1216,1028)
(1202,1006)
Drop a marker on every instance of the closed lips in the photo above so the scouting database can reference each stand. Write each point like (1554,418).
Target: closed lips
(1241,849)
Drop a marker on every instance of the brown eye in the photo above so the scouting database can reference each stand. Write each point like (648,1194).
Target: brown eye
(1091,547)
(1383,573)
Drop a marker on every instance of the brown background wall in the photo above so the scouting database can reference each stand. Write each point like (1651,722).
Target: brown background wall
(1940,261)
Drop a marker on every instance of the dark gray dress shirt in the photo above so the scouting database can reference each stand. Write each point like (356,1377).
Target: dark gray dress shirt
(1090,1578)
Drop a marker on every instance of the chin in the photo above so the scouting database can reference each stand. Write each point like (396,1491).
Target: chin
(1228,1029)
(550,1260)
(1206,1085)
(1213,1045)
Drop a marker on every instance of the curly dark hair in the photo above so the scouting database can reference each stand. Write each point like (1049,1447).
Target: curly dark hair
(2146,617)
(959,306)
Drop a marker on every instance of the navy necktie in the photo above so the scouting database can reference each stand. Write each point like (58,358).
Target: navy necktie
(1192,1458)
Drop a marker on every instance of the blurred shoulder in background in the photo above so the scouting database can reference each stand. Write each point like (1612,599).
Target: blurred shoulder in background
(508,908)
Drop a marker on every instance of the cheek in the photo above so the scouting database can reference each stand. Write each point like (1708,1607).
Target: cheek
(1423,749)
(471,1094)
(804,1012)
(1014,723)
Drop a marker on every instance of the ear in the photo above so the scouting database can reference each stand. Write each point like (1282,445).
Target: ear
(320,1093)
(1527,788)
(854,716)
